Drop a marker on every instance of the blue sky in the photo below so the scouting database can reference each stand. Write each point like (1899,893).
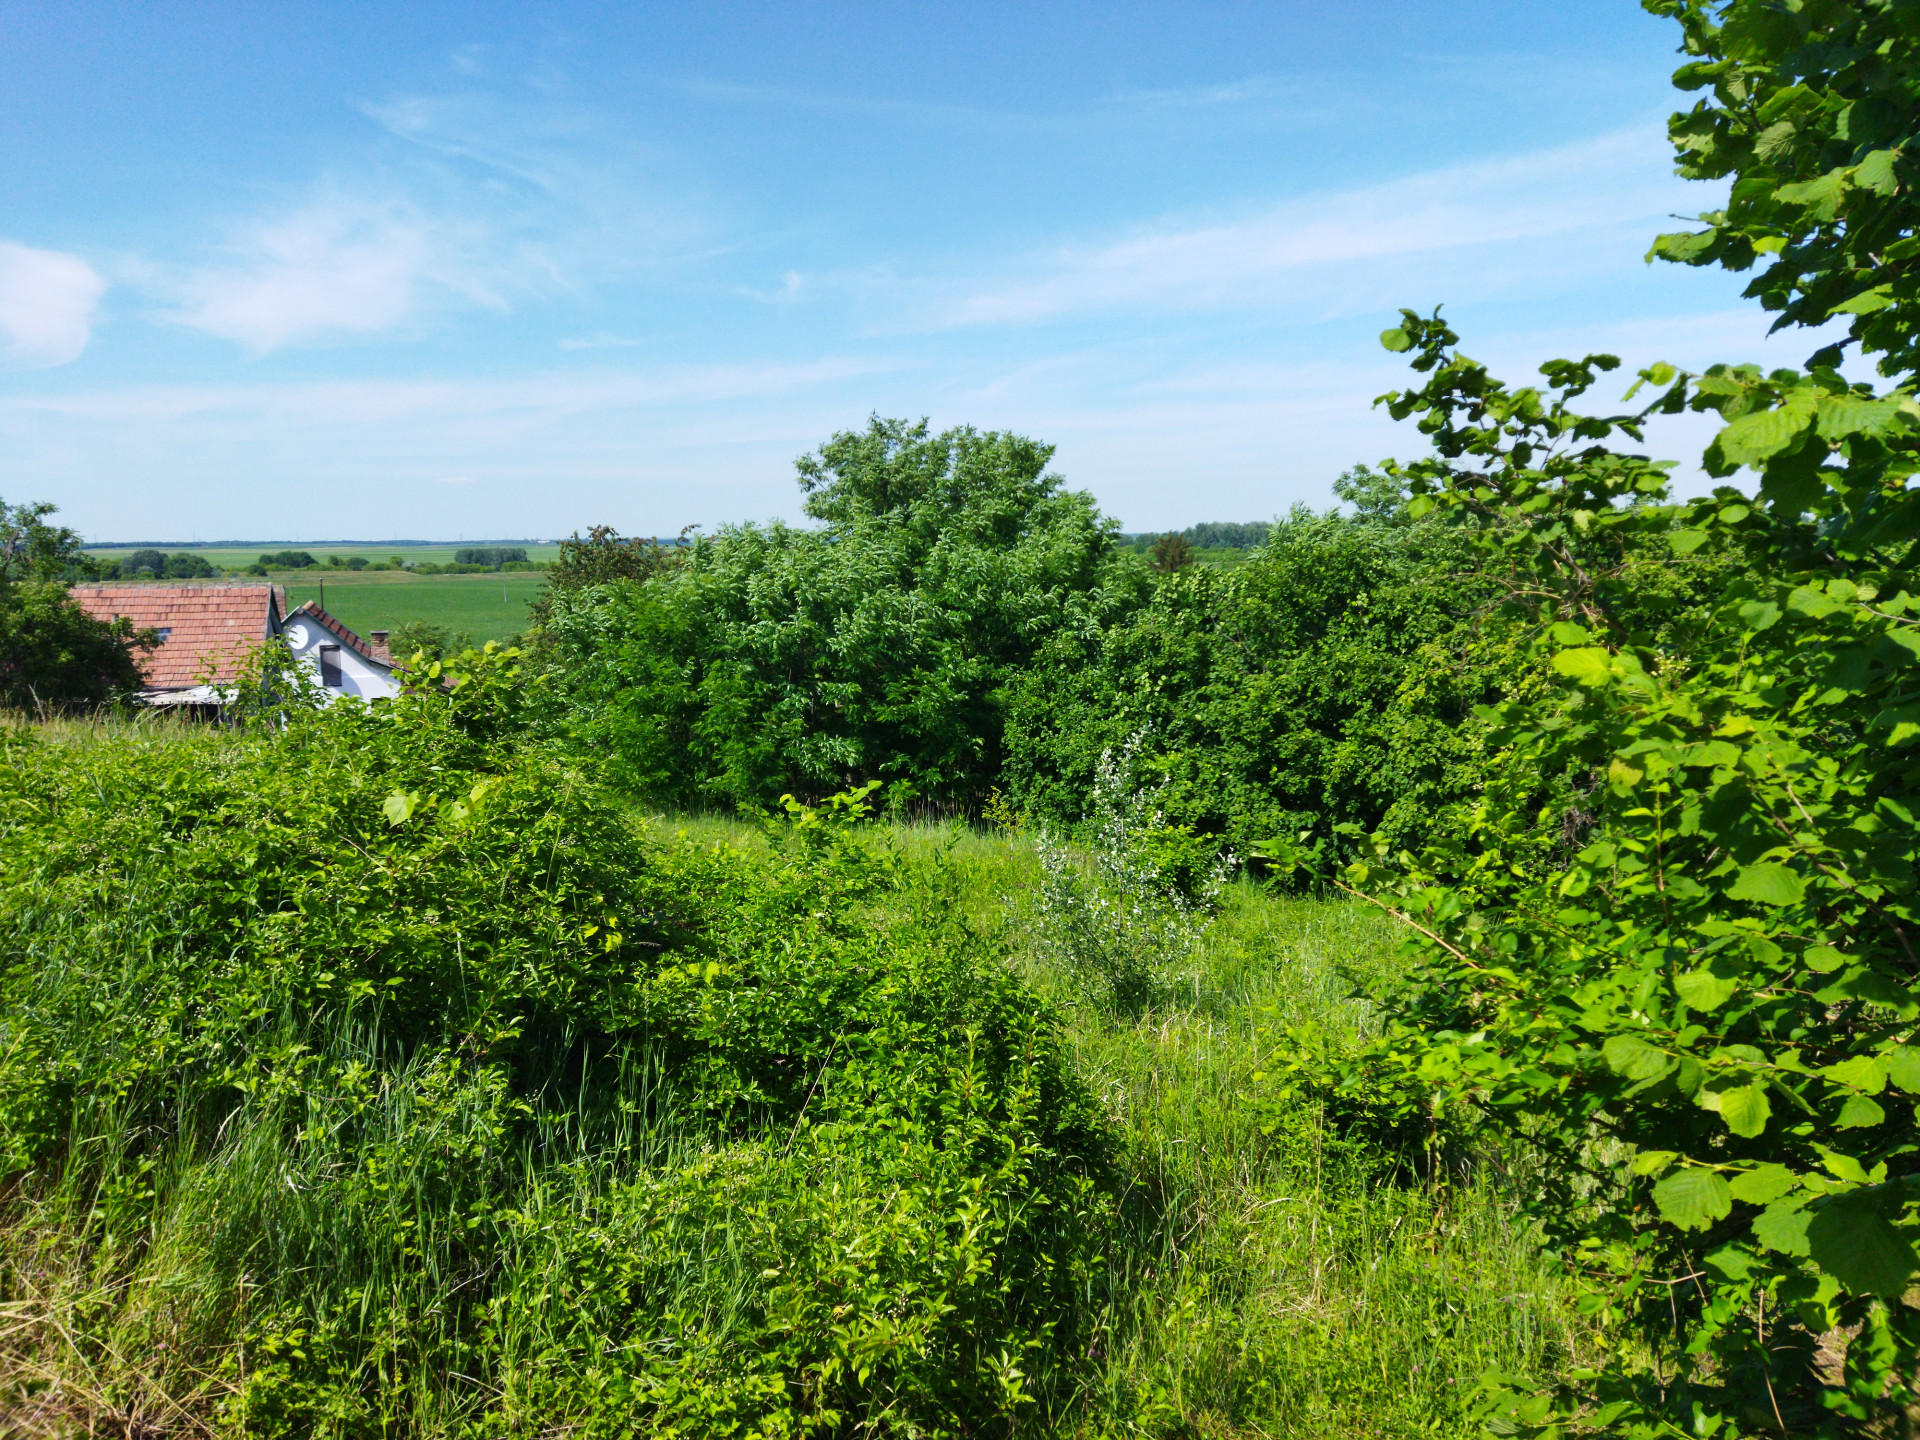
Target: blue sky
(464,271)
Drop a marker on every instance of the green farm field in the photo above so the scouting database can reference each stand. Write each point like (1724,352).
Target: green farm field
(485,607)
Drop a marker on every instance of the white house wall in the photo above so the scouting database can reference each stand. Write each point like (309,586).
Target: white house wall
(358,676)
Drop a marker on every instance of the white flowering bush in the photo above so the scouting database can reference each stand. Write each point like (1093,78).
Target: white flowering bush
(1106,913)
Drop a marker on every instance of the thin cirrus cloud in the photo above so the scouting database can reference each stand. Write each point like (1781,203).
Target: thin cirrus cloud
(1544,211)
(47,299)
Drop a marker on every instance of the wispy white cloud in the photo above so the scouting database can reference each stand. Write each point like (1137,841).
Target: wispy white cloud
(515,401)
(454,480)
(569,198)
(47,300)
(335,268)
(1490,224)
(598,342)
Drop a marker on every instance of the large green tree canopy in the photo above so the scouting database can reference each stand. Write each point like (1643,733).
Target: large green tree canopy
(877,646)
(53,653)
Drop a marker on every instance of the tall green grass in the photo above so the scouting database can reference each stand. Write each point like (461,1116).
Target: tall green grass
(371,1234)
(1273,1279)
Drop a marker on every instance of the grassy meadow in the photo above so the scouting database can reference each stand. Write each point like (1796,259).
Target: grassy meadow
(484,607)
(321,1232)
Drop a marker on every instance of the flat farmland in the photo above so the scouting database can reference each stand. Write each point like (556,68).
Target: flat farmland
(486,607)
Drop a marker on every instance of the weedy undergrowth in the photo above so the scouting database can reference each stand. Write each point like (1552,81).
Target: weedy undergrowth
(381,1075)
(1109,912)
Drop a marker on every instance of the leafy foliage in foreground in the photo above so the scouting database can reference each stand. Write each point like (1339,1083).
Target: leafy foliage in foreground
(1811,108)
(1703,1018)
(380,1073)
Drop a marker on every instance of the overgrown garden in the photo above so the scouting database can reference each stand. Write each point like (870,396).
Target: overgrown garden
(947,971)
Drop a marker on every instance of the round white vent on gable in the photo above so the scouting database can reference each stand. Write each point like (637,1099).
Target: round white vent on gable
(298,636)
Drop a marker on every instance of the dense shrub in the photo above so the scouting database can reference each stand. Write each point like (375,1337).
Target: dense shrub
(423,637)
(769,659)
(53,654)
(382,1068)
(1328,680)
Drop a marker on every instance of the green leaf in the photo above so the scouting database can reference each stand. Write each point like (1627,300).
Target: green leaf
(1862,982)
(1704,990)
(1783,1227)
(1634,1059)
(1853,1242)
(1652,1162)
(1865,1073)
(1693,1198)
(1754,439)
(1589,666)
(1745,1109)
(1859,1113)
(1876,173)
(1805,600)
(1865,303)
(1844,415)
(1760,614)
(1396,340)
(1903,1068)
(1821,197)
(1768,884)
(1763,1184)
(1732,1262)
(1682,246)
(1712,752)
(398,807)
(1685,542)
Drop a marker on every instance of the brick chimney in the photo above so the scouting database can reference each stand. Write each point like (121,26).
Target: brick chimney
(377,642)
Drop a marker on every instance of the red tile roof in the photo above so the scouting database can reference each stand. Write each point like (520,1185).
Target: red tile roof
(366,648)
(208,629)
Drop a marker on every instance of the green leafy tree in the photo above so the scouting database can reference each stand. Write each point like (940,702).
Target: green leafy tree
(1228,534)
(879,646)
(52,652)
(1173,551)
(185,565)
(1374,495)
(1328,681)
(1690,990)
(424,637)
(1810,109)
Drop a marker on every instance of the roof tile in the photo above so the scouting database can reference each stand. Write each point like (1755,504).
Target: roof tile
(210,629)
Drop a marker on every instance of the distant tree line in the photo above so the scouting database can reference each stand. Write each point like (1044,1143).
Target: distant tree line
(158,565)
(1208,535)
(491,556)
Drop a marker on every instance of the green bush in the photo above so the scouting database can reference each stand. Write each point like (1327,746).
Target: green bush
(1328,680)
(53,654)
(388,1076)
(1688,991)
(768,659)
(424,637)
